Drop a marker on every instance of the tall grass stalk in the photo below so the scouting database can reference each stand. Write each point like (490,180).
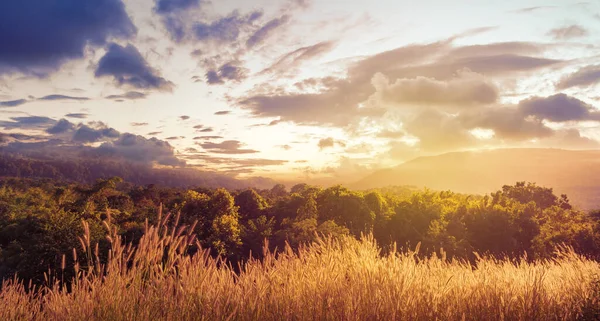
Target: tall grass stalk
(331,279)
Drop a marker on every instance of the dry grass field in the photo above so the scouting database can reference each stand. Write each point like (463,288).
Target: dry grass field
(332,279)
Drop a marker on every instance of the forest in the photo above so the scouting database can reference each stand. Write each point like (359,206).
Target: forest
(41,220)
(117,251)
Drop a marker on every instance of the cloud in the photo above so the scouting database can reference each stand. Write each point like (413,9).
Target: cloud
(265,31)
(154,133)
(223,112)
(56,32)
(568,32)
(128,67)
(77,115)
(62,126)
(570,139)
(137,148)
(184,117)
(169,6)
(139,124)
(87,134)
(208,137)
(329,143)
(467,88)
(285,147)
(13,103)
(234,162)
(507,122)
(296,57)
(430,67)
(230,71)
(326,108)
(391,134)
(439,132)
(532,9)
(227,147)
(558,108)
(173,15)
(326,143)
(63,97)
(226,29)
(130,95)
(66,137)
(206,130)
(500,48)
(28,122)
(583,77)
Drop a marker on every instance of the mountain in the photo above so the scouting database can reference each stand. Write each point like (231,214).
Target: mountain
(88,170)
(575,173)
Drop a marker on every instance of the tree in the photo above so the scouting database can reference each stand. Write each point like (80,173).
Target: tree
(251,205)
(225,228)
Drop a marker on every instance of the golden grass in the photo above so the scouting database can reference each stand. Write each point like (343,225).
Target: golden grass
(331,279)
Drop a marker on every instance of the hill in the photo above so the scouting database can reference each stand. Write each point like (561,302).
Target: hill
(87,170)
(575,173)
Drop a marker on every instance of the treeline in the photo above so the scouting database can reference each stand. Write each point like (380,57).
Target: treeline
(40,220)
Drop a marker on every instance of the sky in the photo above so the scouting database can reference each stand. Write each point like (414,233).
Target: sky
(297,89)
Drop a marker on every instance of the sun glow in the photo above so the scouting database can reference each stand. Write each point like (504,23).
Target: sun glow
(483,133)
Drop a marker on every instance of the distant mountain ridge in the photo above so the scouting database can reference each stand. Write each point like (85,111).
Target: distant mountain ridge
(87,170)
(575,173)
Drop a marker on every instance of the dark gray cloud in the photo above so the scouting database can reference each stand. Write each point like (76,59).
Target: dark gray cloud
(208,137)
(583,77)
(139,124)
(226,29)
(558,108)
(130,95)
(227,147)
(87,134)
(172,13)
(568,32)
(206,130)
(62,126)
(169,6)
(13,103)
(77,115)
(128,67)
(223,112)
(175,26)
(265,31)
(230,71)
(66,137)
(63,97)
(184,117)
(28,122)
(37,37)
(154,133)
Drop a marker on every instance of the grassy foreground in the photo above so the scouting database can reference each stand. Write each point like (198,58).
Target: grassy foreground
(332,279)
